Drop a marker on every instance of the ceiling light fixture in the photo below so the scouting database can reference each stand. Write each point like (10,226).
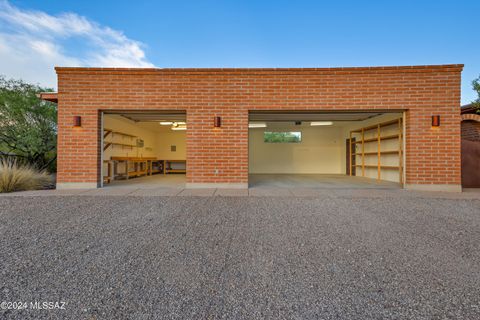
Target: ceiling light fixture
(257,125)
(179,128)
(321,123)
(166,123)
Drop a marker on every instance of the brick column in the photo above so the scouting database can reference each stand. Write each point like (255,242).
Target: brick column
(217,157)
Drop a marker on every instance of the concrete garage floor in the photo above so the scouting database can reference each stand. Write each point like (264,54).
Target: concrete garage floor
(330,181)
(148,182)
(264,181)
(383,255)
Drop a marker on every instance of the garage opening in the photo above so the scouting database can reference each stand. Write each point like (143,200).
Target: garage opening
(144,149)
(326,150)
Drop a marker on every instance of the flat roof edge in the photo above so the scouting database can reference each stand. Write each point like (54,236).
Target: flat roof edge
(48,96)
(418,68)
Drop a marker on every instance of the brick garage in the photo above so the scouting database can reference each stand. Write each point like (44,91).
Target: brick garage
(432,155)
(470,147)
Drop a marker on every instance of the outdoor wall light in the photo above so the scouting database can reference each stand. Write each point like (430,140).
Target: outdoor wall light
(436,121)
(217,122)
(77,121)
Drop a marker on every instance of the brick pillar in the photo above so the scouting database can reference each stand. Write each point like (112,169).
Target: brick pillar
(78,163)
(217,157)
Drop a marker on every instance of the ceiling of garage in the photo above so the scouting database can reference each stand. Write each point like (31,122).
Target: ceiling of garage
(317,116)
(256,116)
(152,116)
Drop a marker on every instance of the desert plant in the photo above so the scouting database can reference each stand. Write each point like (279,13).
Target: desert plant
(28,125)
(16,177)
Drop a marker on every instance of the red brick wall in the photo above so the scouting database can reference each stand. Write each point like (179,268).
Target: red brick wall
(471,130)
(433,154)
(471,126)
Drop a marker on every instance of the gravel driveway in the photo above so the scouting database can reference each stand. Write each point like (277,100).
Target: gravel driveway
(326,257)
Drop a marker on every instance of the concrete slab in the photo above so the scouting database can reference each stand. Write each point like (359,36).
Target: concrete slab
(197,193)
(158,192)
(318,181)
(232,192)
(270,192)
(151,182)
(108,192)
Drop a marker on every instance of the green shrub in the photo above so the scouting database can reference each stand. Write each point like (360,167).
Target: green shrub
(15,177)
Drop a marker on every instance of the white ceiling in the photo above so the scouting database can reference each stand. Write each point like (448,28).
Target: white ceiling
(146,116)
(311,116)
(156,127)
(150,120)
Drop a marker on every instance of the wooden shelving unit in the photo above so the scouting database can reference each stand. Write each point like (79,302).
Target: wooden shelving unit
(107,132)
(361,142)
(123,145)
(107,144)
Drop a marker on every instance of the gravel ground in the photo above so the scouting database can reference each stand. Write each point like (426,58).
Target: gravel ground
(328,257)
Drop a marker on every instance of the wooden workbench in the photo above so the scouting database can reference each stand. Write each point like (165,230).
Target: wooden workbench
(142,166)
(167,166)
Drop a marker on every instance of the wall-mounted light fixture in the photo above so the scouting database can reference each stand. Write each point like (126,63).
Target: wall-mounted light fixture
(77,121)
(217,122)
(436,121)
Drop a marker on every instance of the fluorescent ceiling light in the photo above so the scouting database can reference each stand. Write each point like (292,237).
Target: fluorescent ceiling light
(179,128)
(179,123)
(166,123)
(257,125)
(321,123)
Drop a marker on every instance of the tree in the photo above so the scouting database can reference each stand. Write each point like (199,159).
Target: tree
(476,87)
(28,125)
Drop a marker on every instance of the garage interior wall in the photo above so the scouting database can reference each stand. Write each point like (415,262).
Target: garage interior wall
(321,151)
(157,139)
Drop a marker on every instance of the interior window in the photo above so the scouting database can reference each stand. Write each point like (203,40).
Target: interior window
(282,137)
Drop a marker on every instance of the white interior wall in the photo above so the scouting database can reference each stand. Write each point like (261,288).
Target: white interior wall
(157,140)
(120,124)
(322,150)
(173,138)
(319,152)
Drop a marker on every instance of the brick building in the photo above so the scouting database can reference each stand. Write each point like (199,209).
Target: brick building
(470,147)
(399,124)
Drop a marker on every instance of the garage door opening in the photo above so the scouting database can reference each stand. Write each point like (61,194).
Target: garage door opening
(144,149)
(326,150)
